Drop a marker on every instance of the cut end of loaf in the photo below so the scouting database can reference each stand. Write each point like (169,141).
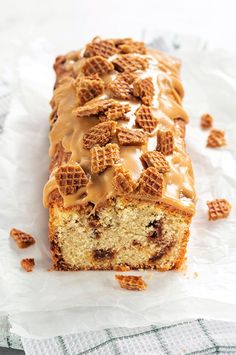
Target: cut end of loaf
(122,234)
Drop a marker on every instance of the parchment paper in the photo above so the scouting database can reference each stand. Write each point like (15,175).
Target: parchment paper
(43,303)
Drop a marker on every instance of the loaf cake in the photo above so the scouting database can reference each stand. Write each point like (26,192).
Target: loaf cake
(121,192)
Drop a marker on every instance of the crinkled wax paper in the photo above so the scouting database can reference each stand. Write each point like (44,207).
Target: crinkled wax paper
(44,303)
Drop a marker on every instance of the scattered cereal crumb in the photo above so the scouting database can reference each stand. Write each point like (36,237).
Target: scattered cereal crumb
(206,121)
(216,139)
(27,264)
(130,282)
(22,239)
(219,208)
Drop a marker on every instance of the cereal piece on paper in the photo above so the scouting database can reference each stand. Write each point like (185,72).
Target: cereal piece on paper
(22,239)
(128,136)
(165,142)
(97,65)
(131,282)
(104,157)
(103,48)
(28,264)
(151,183)
(121,87)
(144,89)
(219,208)
(70,178)
(88,88)
(216,139)
(206,121)
(129,63)
(157,160)
(145,119)
(122,181)
(101,134)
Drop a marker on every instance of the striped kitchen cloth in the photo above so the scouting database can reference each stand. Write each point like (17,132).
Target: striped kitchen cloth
(183,338)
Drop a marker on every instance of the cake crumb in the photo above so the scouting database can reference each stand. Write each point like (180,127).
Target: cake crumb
(22,239)
(131,282)
(27,264)
(195,274)
(184,267)
(122,268)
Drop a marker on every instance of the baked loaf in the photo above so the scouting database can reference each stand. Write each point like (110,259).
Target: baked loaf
(121,191)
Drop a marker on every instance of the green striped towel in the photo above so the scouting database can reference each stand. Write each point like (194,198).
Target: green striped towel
(190,337)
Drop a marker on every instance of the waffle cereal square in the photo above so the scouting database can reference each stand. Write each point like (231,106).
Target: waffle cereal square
(144,89)
(97,65)
(121,87)
(101,134)
(122,182)
(129,63)
(157,160)
(103,48)
(131,282)
(88,88)
(103,157)
(70,178)
(128,136)
(219,208)
(165,142)
(145,119)
(151,183)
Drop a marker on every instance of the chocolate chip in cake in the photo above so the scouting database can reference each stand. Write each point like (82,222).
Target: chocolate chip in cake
(158,255)
(101,254)
(136,243)
(93,221)
(156,234)
(96,234)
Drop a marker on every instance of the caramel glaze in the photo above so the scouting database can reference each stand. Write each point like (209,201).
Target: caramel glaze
(166,107)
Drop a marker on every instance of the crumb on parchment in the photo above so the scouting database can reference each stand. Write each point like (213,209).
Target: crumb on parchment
(28,264)
(22,239)
(131,282)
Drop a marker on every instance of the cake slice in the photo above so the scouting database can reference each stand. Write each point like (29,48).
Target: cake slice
(121,191)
